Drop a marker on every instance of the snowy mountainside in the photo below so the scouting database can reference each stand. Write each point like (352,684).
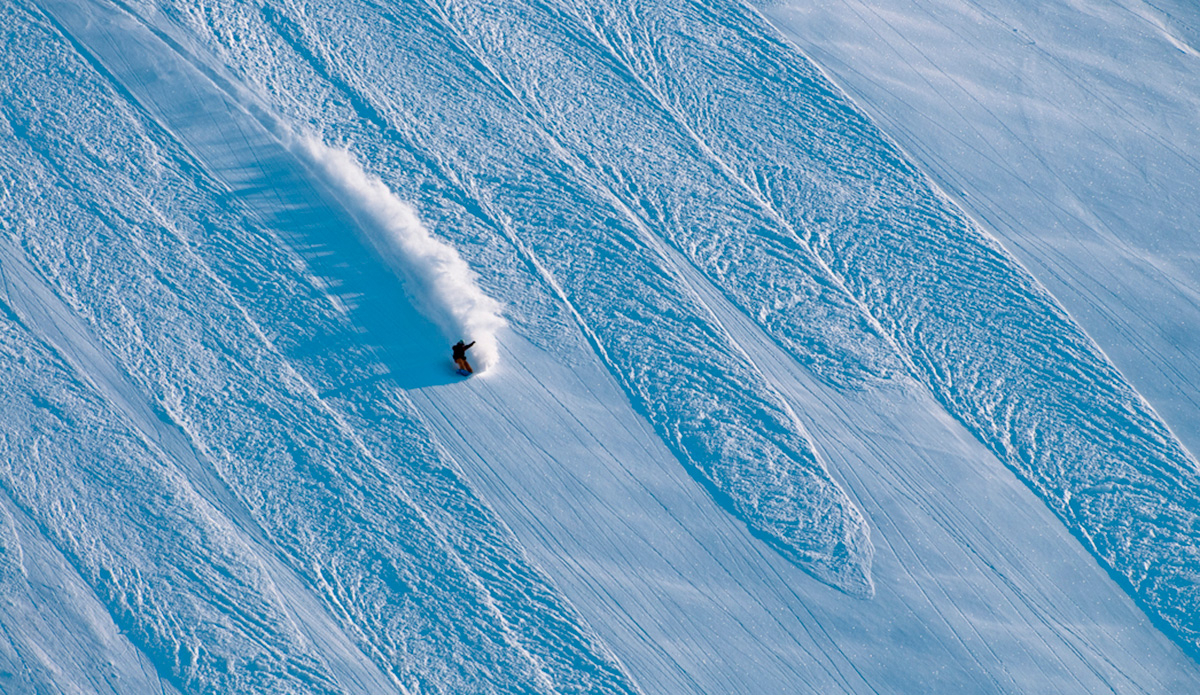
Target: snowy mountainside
(1069,132)
(178,363)
(752,426)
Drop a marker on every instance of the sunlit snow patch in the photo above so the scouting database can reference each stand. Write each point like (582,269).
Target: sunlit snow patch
(437,279)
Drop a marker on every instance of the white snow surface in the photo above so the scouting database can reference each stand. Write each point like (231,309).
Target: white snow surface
(1068,130)
(829,347)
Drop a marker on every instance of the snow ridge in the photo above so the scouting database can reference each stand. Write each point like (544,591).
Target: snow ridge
(436,277)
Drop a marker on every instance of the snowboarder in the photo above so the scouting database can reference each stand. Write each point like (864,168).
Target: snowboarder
(460,357)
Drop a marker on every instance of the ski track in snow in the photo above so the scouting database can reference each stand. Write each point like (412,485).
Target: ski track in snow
(232,421)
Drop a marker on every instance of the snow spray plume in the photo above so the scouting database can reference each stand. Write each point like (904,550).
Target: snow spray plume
(437,279)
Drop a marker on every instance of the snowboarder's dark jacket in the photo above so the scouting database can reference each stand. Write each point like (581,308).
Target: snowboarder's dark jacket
(460,350)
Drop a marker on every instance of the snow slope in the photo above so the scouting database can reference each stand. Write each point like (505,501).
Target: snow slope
(1070,132)
(752,425)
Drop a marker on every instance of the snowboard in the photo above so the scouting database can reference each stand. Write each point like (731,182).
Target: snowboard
(463,372)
